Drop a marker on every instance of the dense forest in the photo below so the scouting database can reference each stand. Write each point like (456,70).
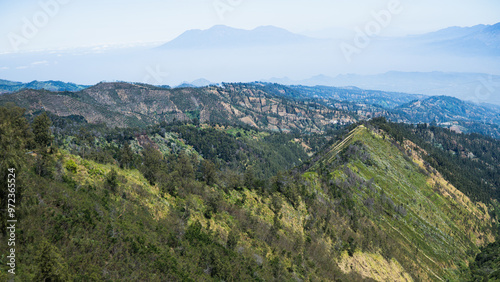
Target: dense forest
(191,201)
(486,266)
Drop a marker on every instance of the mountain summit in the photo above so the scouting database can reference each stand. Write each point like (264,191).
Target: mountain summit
(221,36)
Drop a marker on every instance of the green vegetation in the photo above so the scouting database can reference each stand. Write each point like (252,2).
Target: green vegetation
(471,162)
(421,215)
(486,266)
(203,201)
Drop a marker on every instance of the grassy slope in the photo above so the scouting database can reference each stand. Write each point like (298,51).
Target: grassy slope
(441,224)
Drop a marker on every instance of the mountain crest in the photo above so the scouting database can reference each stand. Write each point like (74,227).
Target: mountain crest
(386,182)
(221,36)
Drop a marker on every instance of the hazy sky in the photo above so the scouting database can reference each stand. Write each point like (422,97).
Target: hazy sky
(33,25)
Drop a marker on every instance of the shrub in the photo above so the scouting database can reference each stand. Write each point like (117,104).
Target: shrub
(71,166)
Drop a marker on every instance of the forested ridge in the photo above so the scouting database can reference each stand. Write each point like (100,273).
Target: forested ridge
(191,201)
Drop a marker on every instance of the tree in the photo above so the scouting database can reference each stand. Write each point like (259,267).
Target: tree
(232,238)
(126,156)
(85,139)
(249,178)
(209,172)
(14,136)
(50,264)
(151,163)
(112,180)
(41,130)
(43,140)
(184,166)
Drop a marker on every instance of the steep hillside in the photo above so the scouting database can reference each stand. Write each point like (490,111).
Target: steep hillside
(433,228)
(364,208)
(68,104)
(123,104)
(470,161)
(447,112)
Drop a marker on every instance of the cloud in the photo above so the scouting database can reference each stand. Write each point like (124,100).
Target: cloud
(32,65)
(40,63)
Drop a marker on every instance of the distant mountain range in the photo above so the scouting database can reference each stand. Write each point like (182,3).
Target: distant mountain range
(475,87)
(221,36)
(450,48)
(480,40)
(223,53)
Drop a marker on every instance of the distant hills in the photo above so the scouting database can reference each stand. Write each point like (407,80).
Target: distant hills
(387,100)
(476,87)
(123,104)
(12,86)
(264,106)
(441,109)
(195,83)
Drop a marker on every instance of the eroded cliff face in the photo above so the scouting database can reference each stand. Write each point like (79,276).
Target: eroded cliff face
(122,104)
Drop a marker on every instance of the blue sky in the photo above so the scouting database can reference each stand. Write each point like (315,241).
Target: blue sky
(76,23)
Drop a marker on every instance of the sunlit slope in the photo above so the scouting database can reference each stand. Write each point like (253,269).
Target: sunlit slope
(364,209)
(431,228)
(93,226)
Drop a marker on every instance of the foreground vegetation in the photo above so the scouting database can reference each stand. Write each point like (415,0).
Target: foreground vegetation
(208,202)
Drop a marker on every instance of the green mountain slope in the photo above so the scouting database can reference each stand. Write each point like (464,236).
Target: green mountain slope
(366,207)
(432,227)
(470,161)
